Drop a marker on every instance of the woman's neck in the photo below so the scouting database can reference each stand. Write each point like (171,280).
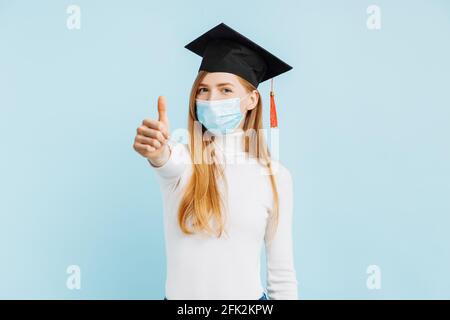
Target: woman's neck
(230,143)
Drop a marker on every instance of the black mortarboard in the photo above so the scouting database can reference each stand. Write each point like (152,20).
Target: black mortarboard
(226,50)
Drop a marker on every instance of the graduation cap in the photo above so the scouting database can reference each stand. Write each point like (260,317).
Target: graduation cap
(226,50)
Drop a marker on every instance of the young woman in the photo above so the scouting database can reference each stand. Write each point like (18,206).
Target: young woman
(223,195)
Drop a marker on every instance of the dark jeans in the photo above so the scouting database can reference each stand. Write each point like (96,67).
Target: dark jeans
(264,297)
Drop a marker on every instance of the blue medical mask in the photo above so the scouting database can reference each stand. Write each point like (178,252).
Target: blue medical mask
(220,116)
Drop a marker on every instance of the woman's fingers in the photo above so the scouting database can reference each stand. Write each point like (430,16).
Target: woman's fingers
(151,133)
(149,141)
(144,149)
(156,125)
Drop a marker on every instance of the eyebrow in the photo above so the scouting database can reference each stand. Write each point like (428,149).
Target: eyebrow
(218,85)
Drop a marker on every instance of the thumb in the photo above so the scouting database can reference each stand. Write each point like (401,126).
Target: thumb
(162,110)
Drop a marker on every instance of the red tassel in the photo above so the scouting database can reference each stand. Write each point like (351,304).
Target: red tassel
(273,109)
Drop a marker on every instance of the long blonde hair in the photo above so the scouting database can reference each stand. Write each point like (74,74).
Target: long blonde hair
(201,200)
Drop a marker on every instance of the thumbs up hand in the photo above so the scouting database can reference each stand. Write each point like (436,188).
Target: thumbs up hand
(152,136)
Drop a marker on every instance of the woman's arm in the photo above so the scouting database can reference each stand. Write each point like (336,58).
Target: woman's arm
(172,163)
(281,275)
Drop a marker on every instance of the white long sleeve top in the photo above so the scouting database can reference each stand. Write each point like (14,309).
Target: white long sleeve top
(202,266)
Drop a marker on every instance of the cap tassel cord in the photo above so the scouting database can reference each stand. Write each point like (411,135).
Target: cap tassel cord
(273,109)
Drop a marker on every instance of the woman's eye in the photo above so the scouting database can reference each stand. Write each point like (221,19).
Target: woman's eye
(227,90)
(200,90)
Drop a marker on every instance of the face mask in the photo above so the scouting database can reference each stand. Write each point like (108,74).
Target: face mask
(220,116)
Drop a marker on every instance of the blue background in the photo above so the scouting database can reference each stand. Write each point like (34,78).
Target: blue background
(364,122)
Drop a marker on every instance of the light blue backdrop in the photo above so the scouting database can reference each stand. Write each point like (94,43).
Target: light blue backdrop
(364,120)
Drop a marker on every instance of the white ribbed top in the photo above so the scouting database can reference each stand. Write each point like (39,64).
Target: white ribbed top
(206,267)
